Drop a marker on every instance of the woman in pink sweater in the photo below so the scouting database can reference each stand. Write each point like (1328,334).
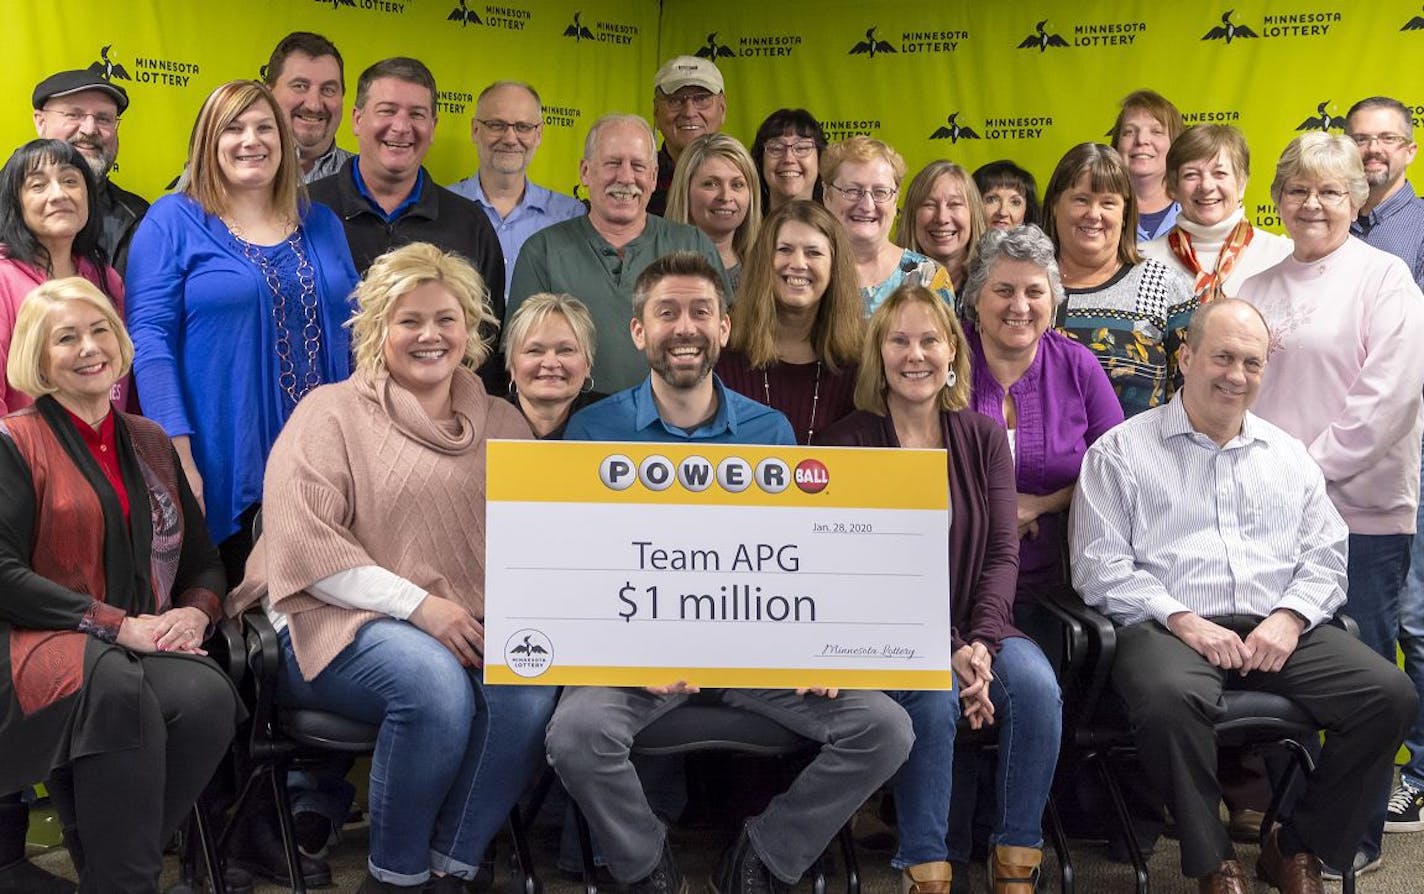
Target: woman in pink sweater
(375,580)
(1344,376)
(49,229)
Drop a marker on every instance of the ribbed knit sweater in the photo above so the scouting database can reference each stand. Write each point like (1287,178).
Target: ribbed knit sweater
(362,476)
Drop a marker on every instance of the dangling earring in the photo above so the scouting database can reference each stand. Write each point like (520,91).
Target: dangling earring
(952,379)
(587,386)
(513,389)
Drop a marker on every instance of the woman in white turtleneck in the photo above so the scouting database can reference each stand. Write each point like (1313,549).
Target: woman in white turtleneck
(1212,243)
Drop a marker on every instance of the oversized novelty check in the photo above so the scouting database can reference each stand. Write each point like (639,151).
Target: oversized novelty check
(623,564)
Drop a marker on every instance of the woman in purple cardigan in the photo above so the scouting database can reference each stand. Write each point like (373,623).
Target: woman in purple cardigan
(1052,397)
(1046,390)
(913,391)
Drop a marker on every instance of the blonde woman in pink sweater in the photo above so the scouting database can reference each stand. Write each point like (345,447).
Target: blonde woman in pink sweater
(1345,374)
(375,580)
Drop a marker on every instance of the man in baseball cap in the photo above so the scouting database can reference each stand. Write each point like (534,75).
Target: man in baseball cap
(83,109)
(689,100)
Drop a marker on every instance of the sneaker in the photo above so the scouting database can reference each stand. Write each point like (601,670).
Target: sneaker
(1363,864)
(741,871)
(665,878)
(1406,805)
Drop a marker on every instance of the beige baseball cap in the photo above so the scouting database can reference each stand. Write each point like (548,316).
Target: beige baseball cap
(687,71)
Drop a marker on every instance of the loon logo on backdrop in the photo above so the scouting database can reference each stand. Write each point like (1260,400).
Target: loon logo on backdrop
(871,45)
(1085,34)
(942,40)
(107,68)
(337,4)
(496,16)
(1322,120)
(1414,24)
(1315,23)
(954,131)
(1042,39)
(144,70)
(713,49)
(748,45)
(601,32)
(464,15)
(1228,30)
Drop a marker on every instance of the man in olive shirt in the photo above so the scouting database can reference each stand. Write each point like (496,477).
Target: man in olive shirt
(597,258)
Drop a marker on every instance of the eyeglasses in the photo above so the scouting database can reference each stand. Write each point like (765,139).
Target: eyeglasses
(677,101)
(798,150)
(1299,195)
(74,117)
(853,194)
(500,128)
(1387,140)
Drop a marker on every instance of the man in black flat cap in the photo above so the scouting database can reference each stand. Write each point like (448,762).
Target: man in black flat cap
(83,109)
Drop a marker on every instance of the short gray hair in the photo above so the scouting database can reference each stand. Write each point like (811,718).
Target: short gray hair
(1322,156)
(1023,243)
(591,141)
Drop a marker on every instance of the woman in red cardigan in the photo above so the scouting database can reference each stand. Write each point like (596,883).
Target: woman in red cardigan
(110,585)
(913,391)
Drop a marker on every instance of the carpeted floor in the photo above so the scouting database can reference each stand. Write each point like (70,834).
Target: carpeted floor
(697,850)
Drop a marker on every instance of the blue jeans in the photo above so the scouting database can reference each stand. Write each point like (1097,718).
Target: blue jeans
(922,784)
(1411,643)
(1378,569)
(452,757)
(1028,711)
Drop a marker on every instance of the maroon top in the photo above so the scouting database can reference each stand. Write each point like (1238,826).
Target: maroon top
(983,527)
(792,389)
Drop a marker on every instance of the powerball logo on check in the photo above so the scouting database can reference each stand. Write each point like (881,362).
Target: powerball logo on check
(697,474)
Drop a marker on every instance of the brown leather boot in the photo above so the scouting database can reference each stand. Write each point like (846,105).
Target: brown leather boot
(926,878)
(1014,870)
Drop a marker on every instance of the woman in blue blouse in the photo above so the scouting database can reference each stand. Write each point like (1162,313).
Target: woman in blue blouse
(238,291)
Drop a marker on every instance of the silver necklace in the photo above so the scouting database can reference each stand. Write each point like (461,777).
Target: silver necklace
(815,398)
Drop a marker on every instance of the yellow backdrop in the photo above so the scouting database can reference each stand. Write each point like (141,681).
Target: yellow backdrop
(960,79)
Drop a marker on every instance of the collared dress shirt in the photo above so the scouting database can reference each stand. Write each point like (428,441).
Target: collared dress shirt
(632,415)
(1165,521)
(1396,225)
(537,209)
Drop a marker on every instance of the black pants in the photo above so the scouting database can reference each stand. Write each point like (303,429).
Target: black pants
(1173,695)
(126,804)
(14,824)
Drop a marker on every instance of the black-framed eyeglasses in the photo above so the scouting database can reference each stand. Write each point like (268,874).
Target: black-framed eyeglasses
(799,149)
(853,194)
(500,128)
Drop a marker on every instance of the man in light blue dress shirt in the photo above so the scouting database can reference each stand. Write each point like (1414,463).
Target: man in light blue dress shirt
(1206,533)
(680,324)
(507,129)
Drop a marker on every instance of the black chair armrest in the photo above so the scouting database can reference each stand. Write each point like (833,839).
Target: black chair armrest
(226,647)
(263,663)
(1346,623)
(1091,658)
